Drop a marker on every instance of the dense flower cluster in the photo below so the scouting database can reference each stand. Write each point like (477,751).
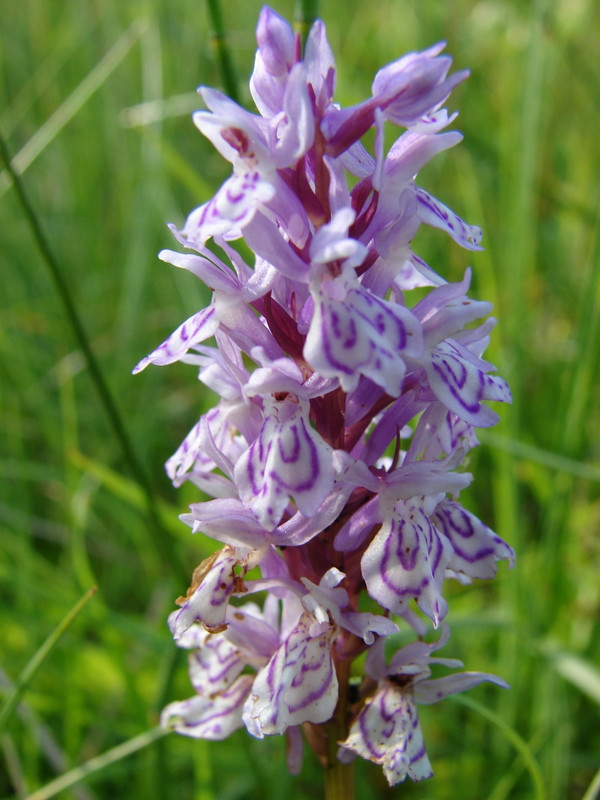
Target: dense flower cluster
(333,454)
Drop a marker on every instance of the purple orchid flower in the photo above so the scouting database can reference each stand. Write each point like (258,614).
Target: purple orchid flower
(333,457)
(386,729)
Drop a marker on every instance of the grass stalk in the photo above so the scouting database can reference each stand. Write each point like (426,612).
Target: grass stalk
(38,659)
(306,12)
(593,790)
(339,777)
(97,764)
(67,109)
(513,737)
(219,37)
(105,395)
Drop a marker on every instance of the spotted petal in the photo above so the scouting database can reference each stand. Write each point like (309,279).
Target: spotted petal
(215,665)
(353,332)
(232,207)
(460,381)
(214,581)
(406,559)
(209,717)
(288,459)
(387,732)
(212,434)
(476,547)
(436,214)
(193,331)
(299,684)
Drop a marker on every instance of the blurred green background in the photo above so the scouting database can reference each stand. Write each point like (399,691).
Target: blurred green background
(95,97)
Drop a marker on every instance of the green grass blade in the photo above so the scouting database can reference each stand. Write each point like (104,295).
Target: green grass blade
(67,110)
(538,455)
(151,111)
(305,14)
(593,790)
(106,398)
(513,737)
(228,74)
(64,47)
(584,376)
(94,765)
(38,659)
(129,491)
(575,670)
(39,732)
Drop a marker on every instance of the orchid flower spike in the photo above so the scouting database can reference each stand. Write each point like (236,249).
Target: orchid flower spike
(346,402)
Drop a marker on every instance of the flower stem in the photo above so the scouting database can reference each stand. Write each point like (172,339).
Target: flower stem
(339,777)
(306,13)
(223,52)
(339,782)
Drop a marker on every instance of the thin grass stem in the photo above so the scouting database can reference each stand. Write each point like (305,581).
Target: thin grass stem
(306,13)
(73,103)
(106,398)
(219,37)
(94,765)
(593,790)
(538,455)
(339,776)
(39,732)
(38,659)
(513,737)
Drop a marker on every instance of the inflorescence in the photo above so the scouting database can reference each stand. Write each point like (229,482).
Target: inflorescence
(346,408)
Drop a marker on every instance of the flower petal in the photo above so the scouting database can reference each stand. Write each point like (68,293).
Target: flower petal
(209,717)
(299,684)
(227,520)
(213,583)
(275,42)
(331,242)
(196,329)
(387,732)
(431,691)
(406,559)
(288,459)
(215,665)
(476,547)
(296,129)
(354,333)
(434,213)
(460,382)
(274,59)
(232,207)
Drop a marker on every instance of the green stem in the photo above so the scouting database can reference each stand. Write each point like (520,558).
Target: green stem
(339,777)
(106,398)
(339,782)
(305,14)
(220,41)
